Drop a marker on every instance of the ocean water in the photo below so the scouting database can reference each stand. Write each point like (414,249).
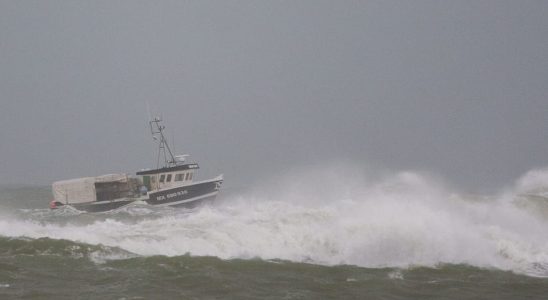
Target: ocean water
(334,233)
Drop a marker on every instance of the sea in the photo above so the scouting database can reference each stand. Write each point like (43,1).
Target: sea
(312,234)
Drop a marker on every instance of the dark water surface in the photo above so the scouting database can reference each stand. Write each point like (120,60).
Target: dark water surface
(272,251)
(59,269)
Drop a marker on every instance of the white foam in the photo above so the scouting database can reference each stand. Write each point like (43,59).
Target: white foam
(534,181)
(402,220)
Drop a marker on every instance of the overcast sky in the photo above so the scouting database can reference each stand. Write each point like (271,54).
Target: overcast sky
(251,88)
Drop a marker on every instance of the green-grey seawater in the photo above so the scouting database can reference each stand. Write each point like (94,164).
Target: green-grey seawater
(243,247)
(59,269)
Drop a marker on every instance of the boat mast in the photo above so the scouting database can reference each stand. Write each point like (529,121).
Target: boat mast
(163,149)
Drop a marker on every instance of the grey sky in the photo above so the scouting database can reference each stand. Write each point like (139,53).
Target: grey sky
(458,88)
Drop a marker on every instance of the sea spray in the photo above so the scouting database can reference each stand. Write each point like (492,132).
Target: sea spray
(325,216)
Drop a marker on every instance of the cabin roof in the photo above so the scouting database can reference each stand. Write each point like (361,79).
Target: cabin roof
(169,169)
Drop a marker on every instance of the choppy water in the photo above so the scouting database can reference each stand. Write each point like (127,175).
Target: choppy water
(316,234)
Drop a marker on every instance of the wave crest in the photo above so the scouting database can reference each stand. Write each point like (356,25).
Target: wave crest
(324,217)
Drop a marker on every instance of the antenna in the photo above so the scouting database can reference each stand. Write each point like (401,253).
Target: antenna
(148,118)
(157,131)
(173,142)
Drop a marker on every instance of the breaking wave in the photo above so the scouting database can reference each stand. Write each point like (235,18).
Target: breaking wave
(334,216)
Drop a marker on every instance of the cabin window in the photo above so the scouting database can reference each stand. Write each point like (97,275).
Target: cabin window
(153,179)
(179,177)
(162,177)
(168,178)
(186,177)
(190,177)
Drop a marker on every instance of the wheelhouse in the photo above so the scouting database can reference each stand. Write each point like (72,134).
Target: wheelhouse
(168,177)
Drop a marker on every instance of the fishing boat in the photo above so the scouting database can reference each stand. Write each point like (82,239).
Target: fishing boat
(171,183)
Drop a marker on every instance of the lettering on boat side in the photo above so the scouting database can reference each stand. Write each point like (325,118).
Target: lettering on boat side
(171,195)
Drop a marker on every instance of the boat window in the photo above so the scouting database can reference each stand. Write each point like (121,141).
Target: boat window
(190,177)
(153,179)
(168,178)
(186,177)
(162,177)
(179,177)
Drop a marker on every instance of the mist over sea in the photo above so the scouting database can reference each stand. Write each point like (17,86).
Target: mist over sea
(315,233)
